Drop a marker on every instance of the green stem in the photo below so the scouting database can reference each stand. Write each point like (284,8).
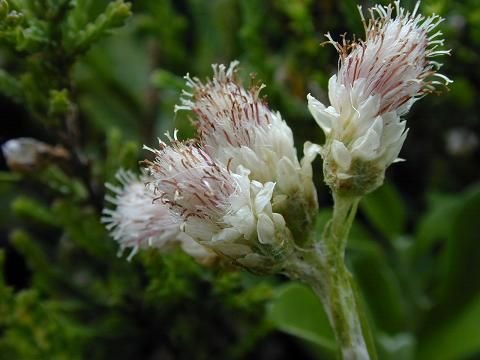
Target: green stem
(324,269)
(335,235)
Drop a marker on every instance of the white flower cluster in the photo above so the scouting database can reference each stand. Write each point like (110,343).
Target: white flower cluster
(377,82)
(138,222)
(237,191)
(238,129)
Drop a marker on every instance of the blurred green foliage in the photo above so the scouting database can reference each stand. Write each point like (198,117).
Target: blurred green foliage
(65,294)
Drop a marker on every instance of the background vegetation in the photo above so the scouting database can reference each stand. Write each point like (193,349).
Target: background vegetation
(64,292)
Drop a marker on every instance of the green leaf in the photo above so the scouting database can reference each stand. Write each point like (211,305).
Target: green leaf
(166,80)
(462,255)
(114,16)
(44,274)
(80,232)
(297,311)
(458,263)
(59,102)
(10,86)
(29,208)
(456,339)
(386,210)
(380,286)
(437,224)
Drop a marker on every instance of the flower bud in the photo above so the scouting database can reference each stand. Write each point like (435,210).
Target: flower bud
(377,82)
(28,154)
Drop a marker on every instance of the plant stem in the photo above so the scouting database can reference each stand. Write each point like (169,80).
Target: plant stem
(324,269)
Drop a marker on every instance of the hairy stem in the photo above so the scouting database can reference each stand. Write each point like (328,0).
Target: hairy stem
(324,270)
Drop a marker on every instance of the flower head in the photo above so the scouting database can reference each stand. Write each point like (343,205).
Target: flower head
(191,183)
(239,189)
(222,210)
(236,125)
(378,80)
(138,222)
(237,128)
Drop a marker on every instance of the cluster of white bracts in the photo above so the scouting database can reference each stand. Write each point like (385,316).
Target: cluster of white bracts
(138,222)
(377,82)
(235,191)
(238,129)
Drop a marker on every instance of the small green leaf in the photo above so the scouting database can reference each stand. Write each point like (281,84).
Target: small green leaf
(462,255)
(437,224)
(456,339)
(59,102)
(386,210)
(114,16)
(457,266)
(380,286)
(297,311)
(164,79)
(29,208)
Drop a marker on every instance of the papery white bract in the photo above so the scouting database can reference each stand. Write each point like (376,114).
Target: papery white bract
(139,222)
(377,82)
(236,126)
(222,210)
(189,181)
(238,129)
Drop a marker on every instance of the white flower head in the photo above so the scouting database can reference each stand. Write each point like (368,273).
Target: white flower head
(191,183)
(237,128)
(236,125)
(27,154)
(222,210)
(378,80)
(139,222)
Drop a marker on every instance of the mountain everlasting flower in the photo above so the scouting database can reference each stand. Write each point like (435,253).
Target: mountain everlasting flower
(139,222)
(378,80)
(238,190)
(237,128)
(222,210)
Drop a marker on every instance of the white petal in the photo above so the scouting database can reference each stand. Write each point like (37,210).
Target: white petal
(393,129)
(310,152)
(322,116)
(226,235)
(195,250)
(242,220)
(287,175)
(265,230)
(367,147)
(336,92)
(232,249)
(391,153)
(341,155)
(357,94)
(262,200)
(366,112)
(278,220)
